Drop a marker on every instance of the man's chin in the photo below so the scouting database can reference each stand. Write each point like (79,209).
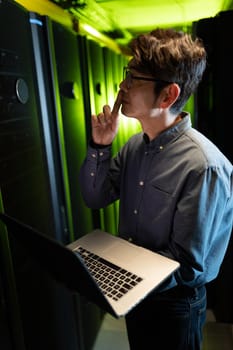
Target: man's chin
(126,113)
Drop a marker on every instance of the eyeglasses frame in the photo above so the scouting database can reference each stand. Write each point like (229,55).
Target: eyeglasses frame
(127,73)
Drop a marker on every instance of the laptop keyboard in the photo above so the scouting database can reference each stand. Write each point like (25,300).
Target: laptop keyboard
(112,279)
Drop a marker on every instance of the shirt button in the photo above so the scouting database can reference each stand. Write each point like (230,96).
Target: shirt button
(130,239)
(161,148)
(93,155)
(101,154)
(92,174)
(141,183)
(135,211)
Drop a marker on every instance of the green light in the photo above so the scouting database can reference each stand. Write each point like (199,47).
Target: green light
(91,31)
(138,16)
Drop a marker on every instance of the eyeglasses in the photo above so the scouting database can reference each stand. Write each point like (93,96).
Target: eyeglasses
(129,77)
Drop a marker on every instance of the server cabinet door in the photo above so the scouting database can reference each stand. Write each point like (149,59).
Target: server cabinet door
(25,185)
(72,125)
(31,184)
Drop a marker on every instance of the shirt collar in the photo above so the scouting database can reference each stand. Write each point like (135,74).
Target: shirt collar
(169,134)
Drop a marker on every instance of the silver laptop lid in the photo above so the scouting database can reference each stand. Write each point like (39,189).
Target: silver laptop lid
(151,268)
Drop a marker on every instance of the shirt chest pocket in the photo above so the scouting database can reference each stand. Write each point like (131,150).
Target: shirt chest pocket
(157,201)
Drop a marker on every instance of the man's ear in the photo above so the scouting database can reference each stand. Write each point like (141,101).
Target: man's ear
(169,95)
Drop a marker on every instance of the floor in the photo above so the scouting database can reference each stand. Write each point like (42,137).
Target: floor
(112,335)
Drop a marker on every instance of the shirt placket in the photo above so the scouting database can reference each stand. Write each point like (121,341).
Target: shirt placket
(143,177)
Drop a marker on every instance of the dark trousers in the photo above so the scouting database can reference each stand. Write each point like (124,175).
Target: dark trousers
(172,320)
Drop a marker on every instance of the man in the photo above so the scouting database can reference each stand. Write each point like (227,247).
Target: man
(175,187)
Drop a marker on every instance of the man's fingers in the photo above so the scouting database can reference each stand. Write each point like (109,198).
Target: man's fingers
(102,118)
(107,111)
(117,105)
(108,116)
(94,120)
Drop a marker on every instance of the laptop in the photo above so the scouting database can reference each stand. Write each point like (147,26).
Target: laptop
(111,272)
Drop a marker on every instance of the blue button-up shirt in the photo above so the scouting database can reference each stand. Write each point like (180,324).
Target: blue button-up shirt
(176,197)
